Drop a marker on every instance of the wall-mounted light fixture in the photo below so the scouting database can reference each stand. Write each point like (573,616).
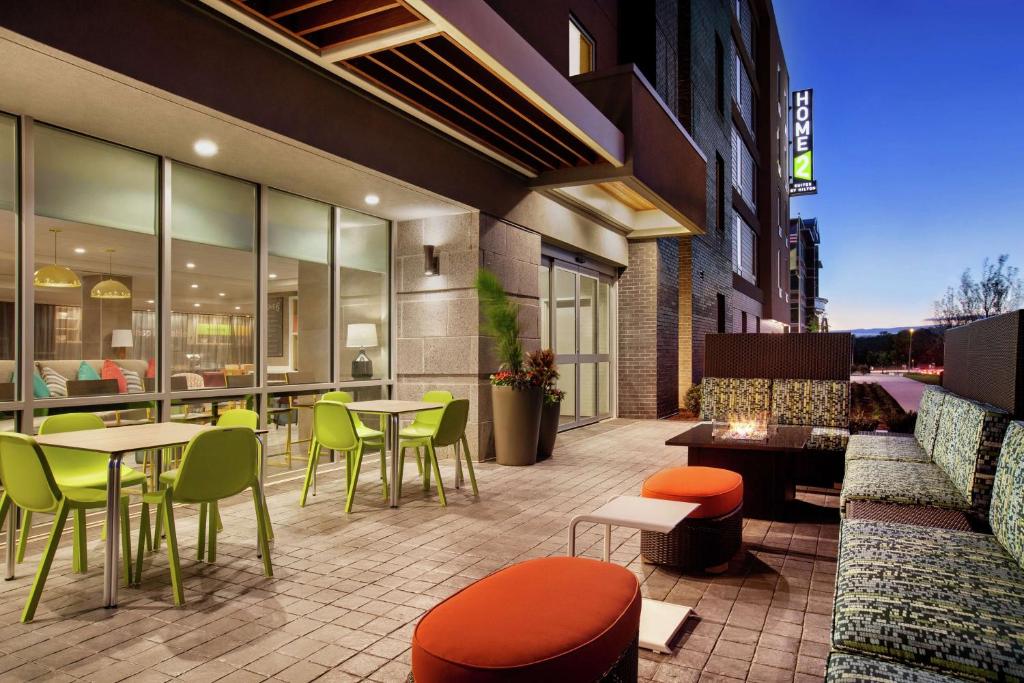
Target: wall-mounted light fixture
(431,262)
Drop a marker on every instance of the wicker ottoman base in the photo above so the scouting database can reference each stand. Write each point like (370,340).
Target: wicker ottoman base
(696,544)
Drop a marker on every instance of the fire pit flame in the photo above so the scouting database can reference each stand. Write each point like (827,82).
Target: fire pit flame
(743,428)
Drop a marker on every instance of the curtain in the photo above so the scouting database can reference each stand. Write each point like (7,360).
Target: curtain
(58,334)
(8,326)
(209,342)
(143,334)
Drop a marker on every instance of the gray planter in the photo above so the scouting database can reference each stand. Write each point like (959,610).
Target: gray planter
(516,424)
(548,429)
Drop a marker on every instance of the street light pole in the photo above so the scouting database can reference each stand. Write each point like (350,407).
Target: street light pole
(910,350)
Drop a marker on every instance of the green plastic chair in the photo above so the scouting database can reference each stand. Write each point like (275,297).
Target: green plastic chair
(243,417)
(218,463)
(334,428)
(450,429)
(29,483)
(425,422)
(73,468)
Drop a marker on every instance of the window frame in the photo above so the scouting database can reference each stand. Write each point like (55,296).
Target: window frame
(585,36)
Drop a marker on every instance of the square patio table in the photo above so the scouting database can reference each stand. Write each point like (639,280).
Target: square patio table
(393,410)
(117,442)
(659,621)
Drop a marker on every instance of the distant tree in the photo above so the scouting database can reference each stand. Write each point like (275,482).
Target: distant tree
(998,290)
(812,324)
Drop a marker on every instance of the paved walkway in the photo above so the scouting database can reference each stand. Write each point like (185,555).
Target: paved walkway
(348,589)
(907,392)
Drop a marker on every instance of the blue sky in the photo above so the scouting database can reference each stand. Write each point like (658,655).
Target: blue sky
(918,146)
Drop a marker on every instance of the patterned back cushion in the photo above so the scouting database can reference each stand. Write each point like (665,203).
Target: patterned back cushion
(133,381)
(1007,513)
(967,447)
(723,397)
(812,402)
(928,416)
(55,382)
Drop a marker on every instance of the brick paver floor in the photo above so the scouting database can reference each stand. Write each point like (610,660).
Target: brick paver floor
(347,590)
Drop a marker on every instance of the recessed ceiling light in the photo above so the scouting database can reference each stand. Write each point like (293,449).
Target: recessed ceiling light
(205,147)
(273,276)
(238,308)
(150,301)
(372,199)
(194,285)
(221,294)
(190,265)
(79,250)
(196,305)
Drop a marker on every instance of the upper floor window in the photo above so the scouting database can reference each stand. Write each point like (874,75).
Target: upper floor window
(581,49)
(719,75)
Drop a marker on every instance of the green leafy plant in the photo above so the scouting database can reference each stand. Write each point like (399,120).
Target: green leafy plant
(691,401)
(501,321)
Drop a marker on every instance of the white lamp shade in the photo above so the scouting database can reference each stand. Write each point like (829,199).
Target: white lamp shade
(361,335)
(121,339)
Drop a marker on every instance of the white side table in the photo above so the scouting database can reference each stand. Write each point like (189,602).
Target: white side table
(659,621)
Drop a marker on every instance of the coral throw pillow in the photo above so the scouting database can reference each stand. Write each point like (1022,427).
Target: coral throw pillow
(112,370)
(151,368)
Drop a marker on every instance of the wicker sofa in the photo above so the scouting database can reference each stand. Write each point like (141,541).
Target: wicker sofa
(948,464)
(932,605)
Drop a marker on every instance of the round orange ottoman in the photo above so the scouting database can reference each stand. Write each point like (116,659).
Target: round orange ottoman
(712,534)
(551,619)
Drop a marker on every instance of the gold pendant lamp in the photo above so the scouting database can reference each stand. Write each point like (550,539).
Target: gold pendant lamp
(110,288)
(54,275)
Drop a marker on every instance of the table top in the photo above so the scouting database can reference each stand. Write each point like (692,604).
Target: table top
(392,407)
(127,439)
(646,514)
(780,438)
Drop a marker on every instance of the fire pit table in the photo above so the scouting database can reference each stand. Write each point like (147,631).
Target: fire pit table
(766,461)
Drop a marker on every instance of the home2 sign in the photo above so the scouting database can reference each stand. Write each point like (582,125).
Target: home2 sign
(803,181)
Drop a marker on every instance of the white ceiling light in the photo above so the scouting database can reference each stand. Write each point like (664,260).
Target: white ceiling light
(194,285)
(221,294)
(372,199)
(79,250)
(190,265)
(238,308)
(273,276)
(204,147)
(195,305)
(150,301)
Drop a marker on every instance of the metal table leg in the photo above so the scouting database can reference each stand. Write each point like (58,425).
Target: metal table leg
(111,557)
(12,537)
(393,439)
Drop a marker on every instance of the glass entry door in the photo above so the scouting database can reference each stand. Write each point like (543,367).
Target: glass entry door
(576,323)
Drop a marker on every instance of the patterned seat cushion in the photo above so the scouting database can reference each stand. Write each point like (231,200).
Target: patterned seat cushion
(929,413)
(828,438)
(967,447)
(818,403)
(910,483)
(946,600)
(725,398)
(885,447)
(1007,513)
(846,667)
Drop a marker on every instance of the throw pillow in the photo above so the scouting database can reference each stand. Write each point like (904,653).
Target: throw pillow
(151,369)
(55,382)
(133,381)
(112,370)
(85,371)
(39,388)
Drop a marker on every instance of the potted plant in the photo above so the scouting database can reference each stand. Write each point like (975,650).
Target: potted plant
(542,367)
(515,397)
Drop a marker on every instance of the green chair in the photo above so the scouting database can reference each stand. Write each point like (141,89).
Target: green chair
(334,428)
(29,483)
(450,430)
(218,463)
(243,417)
(73,468)
(425,422)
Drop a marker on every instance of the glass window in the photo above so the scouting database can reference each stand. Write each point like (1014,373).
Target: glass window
(213,283)
(8,255)
(363,257)
(581,50)
(603,316)
(544,275)
(298,289)
(95,267)
(565,311)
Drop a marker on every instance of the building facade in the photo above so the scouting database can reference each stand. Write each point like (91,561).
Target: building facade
(271,180)
(807,307)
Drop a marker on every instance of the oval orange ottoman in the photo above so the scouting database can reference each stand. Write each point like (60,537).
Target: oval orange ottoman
(552,619)
(712,534)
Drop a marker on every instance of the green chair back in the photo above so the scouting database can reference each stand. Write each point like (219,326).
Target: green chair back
(26,475)
(71,422)
(218,463)
(346,398)
(239,417)
(431,418)
(452,426)
(333,426)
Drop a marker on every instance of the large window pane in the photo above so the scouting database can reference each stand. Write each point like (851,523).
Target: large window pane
(603,316)
(588,296)
(565,311)
(363,257)
(8,254)
(545,306)
(213,283)
(95,265)
(299,289)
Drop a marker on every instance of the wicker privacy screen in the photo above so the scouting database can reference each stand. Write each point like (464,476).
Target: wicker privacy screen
(811,355)
(984,361)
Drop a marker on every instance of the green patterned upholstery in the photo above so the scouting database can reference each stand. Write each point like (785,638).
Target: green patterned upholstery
(929,414)
(885,447)
(722,398)
(1007,512)
(967,447)
(812,402)
(934,598)
(846,667)
(828,438)
(909,483)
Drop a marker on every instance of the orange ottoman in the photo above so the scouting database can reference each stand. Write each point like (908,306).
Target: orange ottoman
(551,619)
(712,534)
